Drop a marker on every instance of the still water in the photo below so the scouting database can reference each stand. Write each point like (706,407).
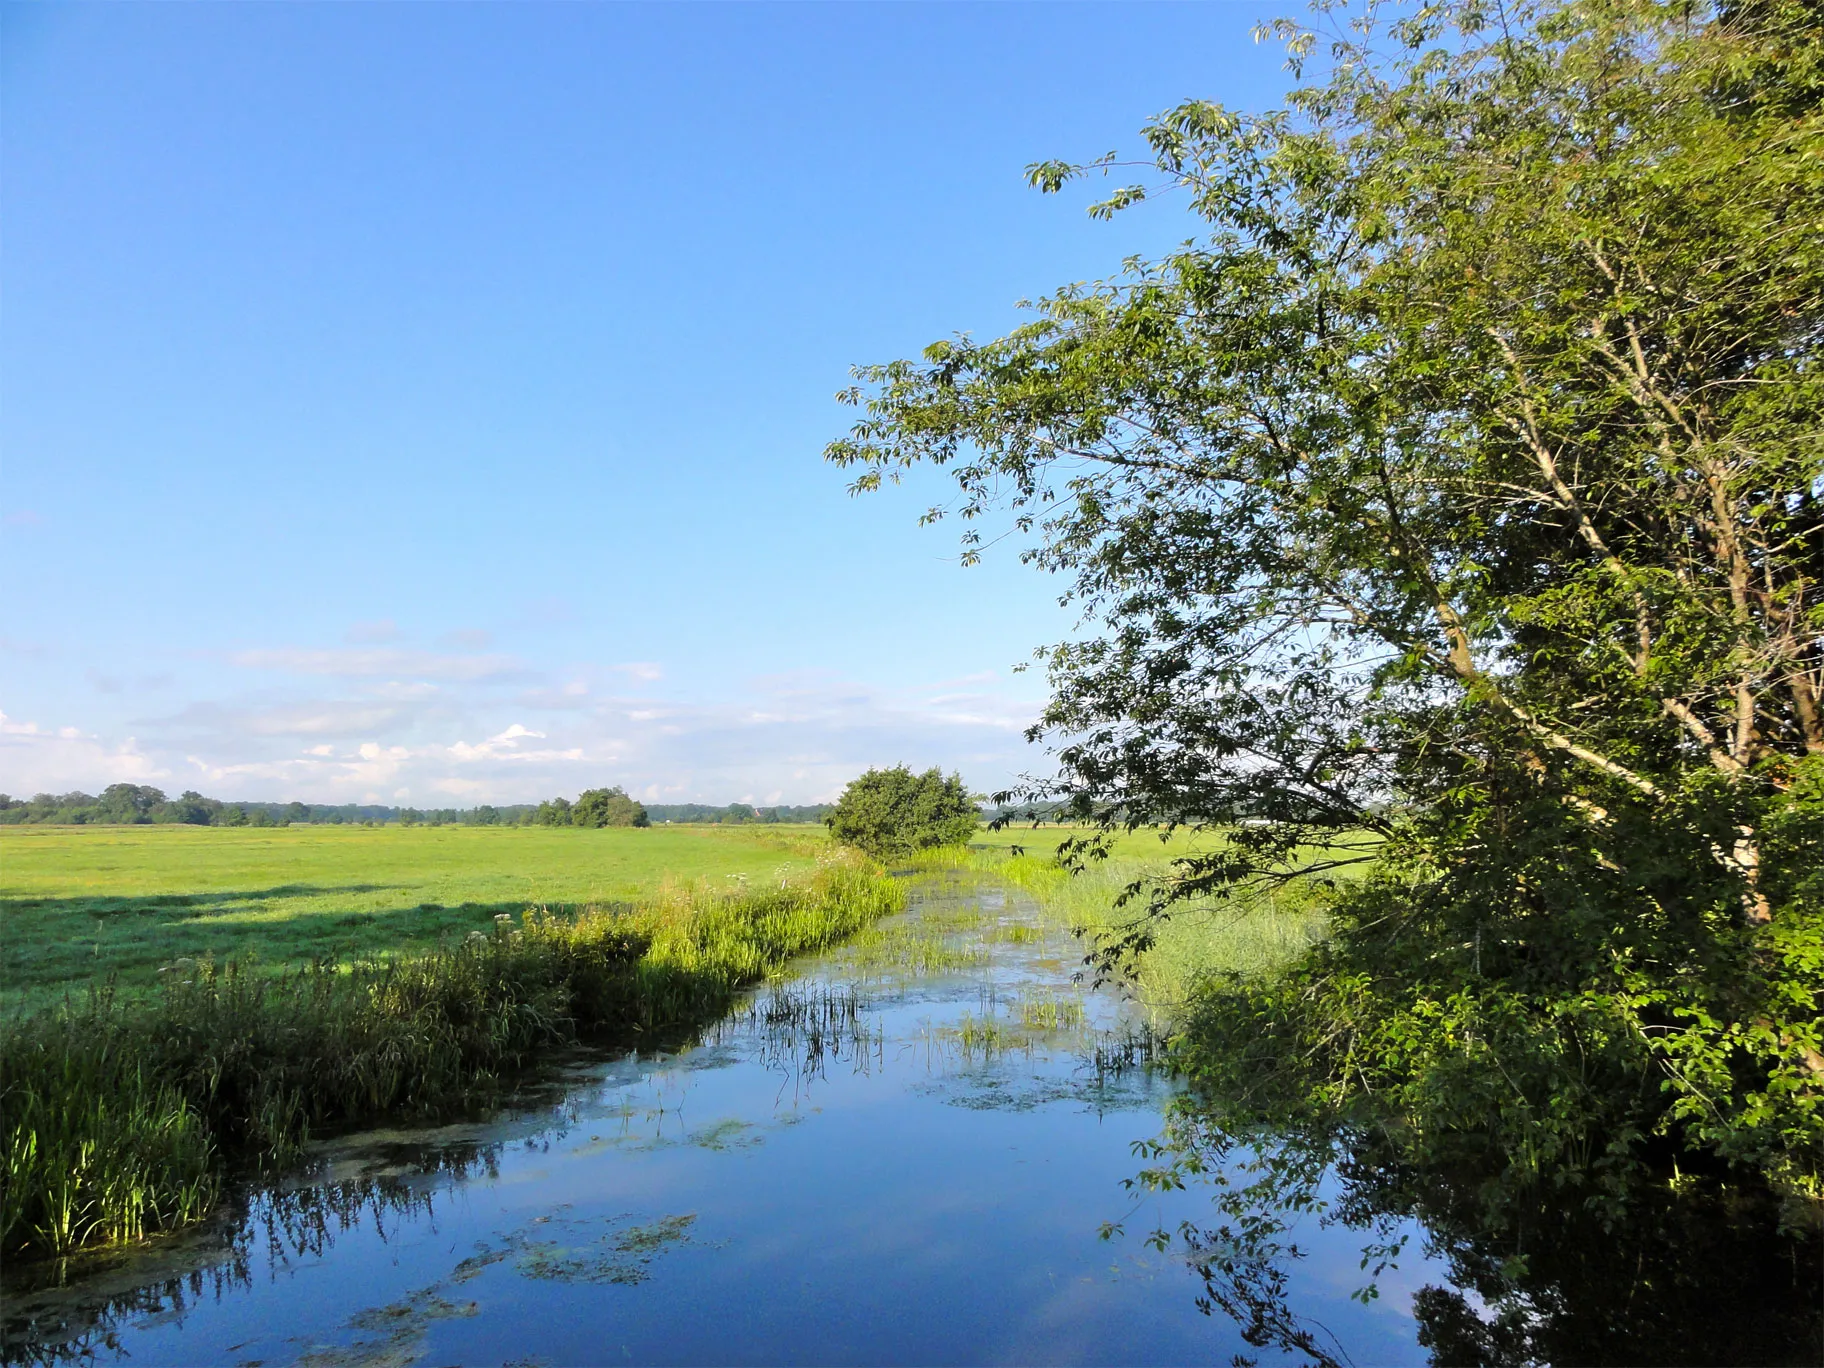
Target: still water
(908,1152)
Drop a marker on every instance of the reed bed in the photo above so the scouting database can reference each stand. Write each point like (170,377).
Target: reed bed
(1248,936)
(1251,935)
(124,1117)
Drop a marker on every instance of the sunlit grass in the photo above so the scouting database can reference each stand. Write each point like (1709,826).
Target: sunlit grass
(78,904)
(1014,933)
(986,1037)
(908,947)
(1243,936)
(1040,1010)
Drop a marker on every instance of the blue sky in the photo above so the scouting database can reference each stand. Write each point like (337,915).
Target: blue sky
(425,402)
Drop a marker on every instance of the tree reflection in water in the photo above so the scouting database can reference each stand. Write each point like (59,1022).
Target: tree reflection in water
(1662,1273)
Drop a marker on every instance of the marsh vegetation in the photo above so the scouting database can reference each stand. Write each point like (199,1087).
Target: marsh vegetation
(125,1116)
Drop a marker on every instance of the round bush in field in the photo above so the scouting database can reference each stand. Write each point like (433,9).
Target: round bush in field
(605,808)
(891,812)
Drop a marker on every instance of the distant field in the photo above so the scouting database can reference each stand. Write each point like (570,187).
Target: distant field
(80,903)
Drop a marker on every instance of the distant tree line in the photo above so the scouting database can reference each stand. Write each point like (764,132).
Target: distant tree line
(142,804)
(139,804)
(735,814)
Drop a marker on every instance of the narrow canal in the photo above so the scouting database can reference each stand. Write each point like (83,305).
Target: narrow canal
(910,1151)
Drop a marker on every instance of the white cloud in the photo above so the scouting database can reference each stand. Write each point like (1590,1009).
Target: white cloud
(346,733)
(36,759)
(505,746)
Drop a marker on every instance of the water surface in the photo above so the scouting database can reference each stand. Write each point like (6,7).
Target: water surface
(914,1150)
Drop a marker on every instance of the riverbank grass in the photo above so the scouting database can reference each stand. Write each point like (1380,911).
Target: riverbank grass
(125,1116)
(1200,941)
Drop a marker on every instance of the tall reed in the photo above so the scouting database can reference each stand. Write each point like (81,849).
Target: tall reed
(124,1118)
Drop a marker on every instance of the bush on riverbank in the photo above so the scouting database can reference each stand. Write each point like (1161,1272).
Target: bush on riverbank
(894,813)
(123,1118)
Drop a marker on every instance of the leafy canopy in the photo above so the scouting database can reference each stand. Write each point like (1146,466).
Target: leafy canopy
(893,812)
(604,807)
(1452,508)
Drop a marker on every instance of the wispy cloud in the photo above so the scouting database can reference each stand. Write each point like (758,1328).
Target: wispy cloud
(645,671)
(318,717)
(378,663)
(105,683)
(376,633)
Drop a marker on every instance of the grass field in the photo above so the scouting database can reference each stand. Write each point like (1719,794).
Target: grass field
(78,904)
(1042,841)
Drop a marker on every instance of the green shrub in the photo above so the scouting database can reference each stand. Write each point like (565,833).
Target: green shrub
(607,807)
(891,813)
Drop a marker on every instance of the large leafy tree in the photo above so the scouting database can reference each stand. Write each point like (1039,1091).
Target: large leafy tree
(1452,508)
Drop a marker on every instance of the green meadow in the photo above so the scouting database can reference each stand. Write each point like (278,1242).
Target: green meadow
(124,1116)
(80,904)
